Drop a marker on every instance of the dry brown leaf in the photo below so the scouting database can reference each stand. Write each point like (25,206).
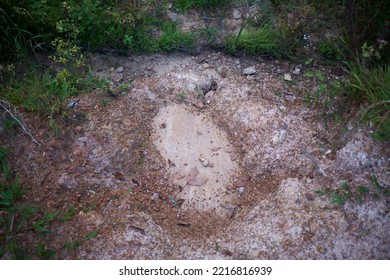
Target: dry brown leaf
(198,181)
(192,175)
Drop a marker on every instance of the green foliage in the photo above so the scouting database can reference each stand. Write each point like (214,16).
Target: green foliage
(184,5)
(182,96)
(371,88)
(261,40)
(356,194)
(72,245)
(16,40)
(46,92)
(43,253)
(12,216)
(173,39)
(364,20)
(330,50)
(69,213)
(91,235)
(41,225)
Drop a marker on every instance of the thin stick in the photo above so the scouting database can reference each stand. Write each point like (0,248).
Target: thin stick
(12,223)
(6,107)
(314,162)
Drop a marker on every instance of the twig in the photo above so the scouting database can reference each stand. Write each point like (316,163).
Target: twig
(108,205)
(12,222)
(314,162)
(8,108)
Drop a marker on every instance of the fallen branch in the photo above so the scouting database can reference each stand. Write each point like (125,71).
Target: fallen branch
(7,107)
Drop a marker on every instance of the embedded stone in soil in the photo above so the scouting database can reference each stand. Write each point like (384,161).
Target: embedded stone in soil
(198,155)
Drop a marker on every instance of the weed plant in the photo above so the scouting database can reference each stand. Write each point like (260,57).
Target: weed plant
(12,215)
(356,194)
(370,86)
(256,41)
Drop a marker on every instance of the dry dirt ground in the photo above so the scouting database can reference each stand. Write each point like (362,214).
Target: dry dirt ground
(195,160)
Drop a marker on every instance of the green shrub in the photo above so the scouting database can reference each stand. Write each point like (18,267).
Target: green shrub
(330,49)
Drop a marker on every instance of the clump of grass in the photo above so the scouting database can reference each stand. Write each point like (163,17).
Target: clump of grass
(371,88)
(261,40)
(173,39)
(331,49)
(70,212)
(12,215)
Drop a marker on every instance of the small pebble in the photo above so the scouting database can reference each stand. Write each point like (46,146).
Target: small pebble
(297,71)
(249,70)
(241,190)
(287,77)
(155,196)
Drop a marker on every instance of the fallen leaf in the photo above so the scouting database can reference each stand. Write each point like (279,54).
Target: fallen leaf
(215,149)
(192,175)
(199,181)
(119,176)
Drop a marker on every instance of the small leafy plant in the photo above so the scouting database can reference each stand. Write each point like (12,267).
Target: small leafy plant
(41,225)
(357,194)
(70,212)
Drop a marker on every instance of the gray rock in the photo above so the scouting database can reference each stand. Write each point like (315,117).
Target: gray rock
(208,97)
(241,190)
(117,78)
(67,181)
(119,69)
(297,71)
(80,169)
(209,84)
(250,70)
(236,14)
(355,154)
(287,77)
(155,196)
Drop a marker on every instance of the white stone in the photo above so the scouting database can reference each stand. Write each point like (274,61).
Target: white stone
(287,77)
(297,71)
(250,70)
(236,14)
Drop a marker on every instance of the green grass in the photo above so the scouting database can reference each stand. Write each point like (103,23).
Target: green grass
(41,226)
(12,215)
(256,41)
(356,194)
(184,5)
(70,212)
(371,88)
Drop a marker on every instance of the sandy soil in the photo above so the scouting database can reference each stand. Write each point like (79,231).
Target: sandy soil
(195,160)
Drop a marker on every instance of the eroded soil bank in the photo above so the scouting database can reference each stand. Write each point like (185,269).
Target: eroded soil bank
(197,160)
